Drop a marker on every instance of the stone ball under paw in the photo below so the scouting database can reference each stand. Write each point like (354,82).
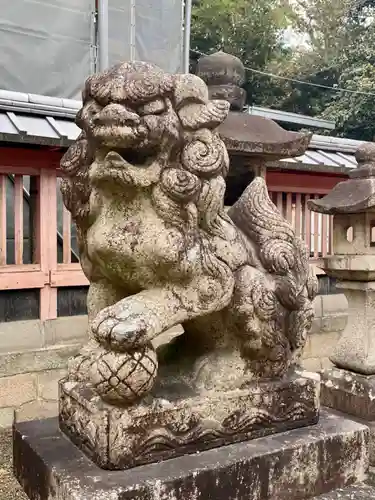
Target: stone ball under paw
(122,378)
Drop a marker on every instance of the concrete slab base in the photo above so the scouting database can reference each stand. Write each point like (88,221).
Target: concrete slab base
(353,395)
(348,392)
(293,465)
(356,492)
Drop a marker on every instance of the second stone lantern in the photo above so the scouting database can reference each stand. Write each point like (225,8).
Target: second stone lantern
(350,386)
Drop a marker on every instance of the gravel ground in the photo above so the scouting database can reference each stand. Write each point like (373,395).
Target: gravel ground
(9,487)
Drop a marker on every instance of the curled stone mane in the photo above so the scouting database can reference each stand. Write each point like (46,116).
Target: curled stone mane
(192,187)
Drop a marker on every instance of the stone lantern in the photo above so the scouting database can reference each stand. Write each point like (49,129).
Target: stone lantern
(251,141)
(224,75)
(350,386)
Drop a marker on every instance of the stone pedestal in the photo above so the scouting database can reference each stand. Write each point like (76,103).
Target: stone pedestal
(357,492)
(355,350)
(293,465)
(353,394)
(170,425)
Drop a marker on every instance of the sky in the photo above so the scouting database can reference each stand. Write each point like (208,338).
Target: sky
(294,39)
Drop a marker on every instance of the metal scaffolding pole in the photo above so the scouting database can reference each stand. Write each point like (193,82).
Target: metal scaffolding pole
(103,34)
(186,61)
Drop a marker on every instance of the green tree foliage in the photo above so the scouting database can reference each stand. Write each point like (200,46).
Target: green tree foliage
(249,29)
(339,52)
(354,113)
(324,23)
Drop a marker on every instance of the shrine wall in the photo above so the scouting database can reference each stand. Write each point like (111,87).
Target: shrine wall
(331,312)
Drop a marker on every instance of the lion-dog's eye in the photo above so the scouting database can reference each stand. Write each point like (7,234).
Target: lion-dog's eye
(155,107)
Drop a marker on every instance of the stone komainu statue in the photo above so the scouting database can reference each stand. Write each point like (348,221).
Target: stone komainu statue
(145,185)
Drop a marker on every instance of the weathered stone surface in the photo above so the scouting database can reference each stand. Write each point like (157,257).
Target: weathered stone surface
(316,326)
(17,390)
(320,347)
(31,335)
(21,336)
(351,267)
(251,135)
(357,194)
(65,330)
(318,307)
(234,95)
(166,427)
(333,305)
(48,384)
(221,68)
(351,196)
(145,185)
(36,409)
(316,364)
(349,392)
(36,361)
(371,427)
(355,351)
(6,417)
(293,465)
(326,363)
(224,75)
(356,492)
(312,364)
(335,323)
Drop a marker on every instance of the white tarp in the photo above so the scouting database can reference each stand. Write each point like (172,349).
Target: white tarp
(149,31)
(119,27)
(158,33)
(45,46)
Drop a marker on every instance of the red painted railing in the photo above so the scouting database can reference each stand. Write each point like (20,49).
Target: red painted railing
(37,239)
(29,203)
(314,228)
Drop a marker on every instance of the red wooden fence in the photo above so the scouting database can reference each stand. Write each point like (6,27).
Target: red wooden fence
(50,264)
(42,269)
(314,228)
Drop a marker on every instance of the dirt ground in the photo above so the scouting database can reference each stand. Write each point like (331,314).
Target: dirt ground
(9,487)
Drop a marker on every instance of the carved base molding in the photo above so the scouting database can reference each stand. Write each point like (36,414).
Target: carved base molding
(167,427)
